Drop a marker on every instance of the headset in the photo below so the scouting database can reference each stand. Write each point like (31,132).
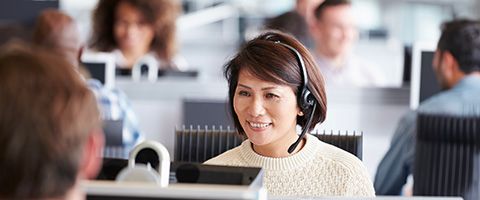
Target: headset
(305,98)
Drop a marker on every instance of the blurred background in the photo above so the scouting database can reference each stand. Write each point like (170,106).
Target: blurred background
(210,31)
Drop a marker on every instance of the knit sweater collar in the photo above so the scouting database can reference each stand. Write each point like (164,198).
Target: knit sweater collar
(306,154)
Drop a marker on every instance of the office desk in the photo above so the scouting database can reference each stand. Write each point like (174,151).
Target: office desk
(375,111)
(370,198)
(106,190)
(103,190)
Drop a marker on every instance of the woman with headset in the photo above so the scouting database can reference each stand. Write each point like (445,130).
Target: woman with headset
(275,85)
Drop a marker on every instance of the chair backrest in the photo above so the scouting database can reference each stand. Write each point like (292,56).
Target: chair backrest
(202,143)
(447,156)
(350,142)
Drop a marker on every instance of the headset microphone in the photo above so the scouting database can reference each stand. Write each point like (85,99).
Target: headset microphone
(305,100)
(304,131)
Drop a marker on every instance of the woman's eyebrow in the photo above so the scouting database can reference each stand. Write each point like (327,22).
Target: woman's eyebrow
(265,88)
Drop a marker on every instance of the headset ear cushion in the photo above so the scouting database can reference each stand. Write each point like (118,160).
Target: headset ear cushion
(306,100)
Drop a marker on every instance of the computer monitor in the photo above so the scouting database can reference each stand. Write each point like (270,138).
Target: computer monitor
(162,73)
(206,112)
(187,181)
(424,83)
(186,172)
(113,130)
(407,64)
(101,66)
(17,18)
(189,172)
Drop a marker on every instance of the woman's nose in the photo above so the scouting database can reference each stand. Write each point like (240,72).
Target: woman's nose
(256,107)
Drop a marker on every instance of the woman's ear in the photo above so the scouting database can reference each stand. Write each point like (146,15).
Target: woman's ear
(300,113)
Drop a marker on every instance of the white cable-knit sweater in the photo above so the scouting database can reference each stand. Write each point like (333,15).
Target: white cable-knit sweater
(318,169)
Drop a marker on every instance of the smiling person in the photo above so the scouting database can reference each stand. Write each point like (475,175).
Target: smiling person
(334,32)
(136,29)
(275,85)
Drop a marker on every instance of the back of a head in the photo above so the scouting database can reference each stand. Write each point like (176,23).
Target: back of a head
(292,23)
(46,114)
(328,3)
(58,32)
(462,39)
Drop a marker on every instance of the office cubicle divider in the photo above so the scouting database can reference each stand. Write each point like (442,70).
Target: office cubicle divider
(198,144)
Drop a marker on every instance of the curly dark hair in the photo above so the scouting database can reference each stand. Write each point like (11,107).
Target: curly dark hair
(161,14)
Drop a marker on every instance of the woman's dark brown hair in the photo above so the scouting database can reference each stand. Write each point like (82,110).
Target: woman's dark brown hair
(273,62)
(161,14)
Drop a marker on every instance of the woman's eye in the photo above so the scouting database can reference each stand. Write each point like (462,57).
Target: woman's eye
(271,96)
(243,93)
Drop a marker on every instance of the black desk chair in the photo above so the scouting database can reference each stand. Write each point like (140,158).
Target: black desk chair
(350,142)
(201,143)
(447,156)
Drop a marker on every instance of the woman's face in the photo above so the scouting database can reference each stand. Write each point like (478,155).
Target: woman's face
(266,111)
(131,30)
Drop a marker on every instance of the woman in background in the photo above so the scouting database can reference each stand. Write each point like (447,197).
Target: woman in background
(136,29)
(275,85)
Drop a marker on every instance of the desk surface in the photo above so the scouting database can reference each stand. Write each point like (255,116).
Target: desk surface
(112,190)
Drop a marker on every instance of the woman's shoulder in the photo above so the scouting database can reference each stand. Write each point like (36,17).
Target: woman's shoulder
(346,167)
(339,157)
(230,157)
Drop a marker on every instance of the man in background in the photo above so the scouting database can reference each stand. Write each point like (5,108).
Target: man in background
(50,127)
(457,67)
(334,33)
(296,22)
(58,33)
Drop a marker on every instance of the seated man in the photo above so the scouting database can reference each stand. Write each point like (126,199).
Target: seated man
(296,21)
(50,127)
(334,33)
(457,67)
(58,32)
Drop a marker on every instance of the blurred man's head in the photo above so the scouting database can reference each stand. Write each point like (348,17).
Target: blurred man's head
(56,31)
(306,8)
(50,127)
(334,29)
(458,52)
